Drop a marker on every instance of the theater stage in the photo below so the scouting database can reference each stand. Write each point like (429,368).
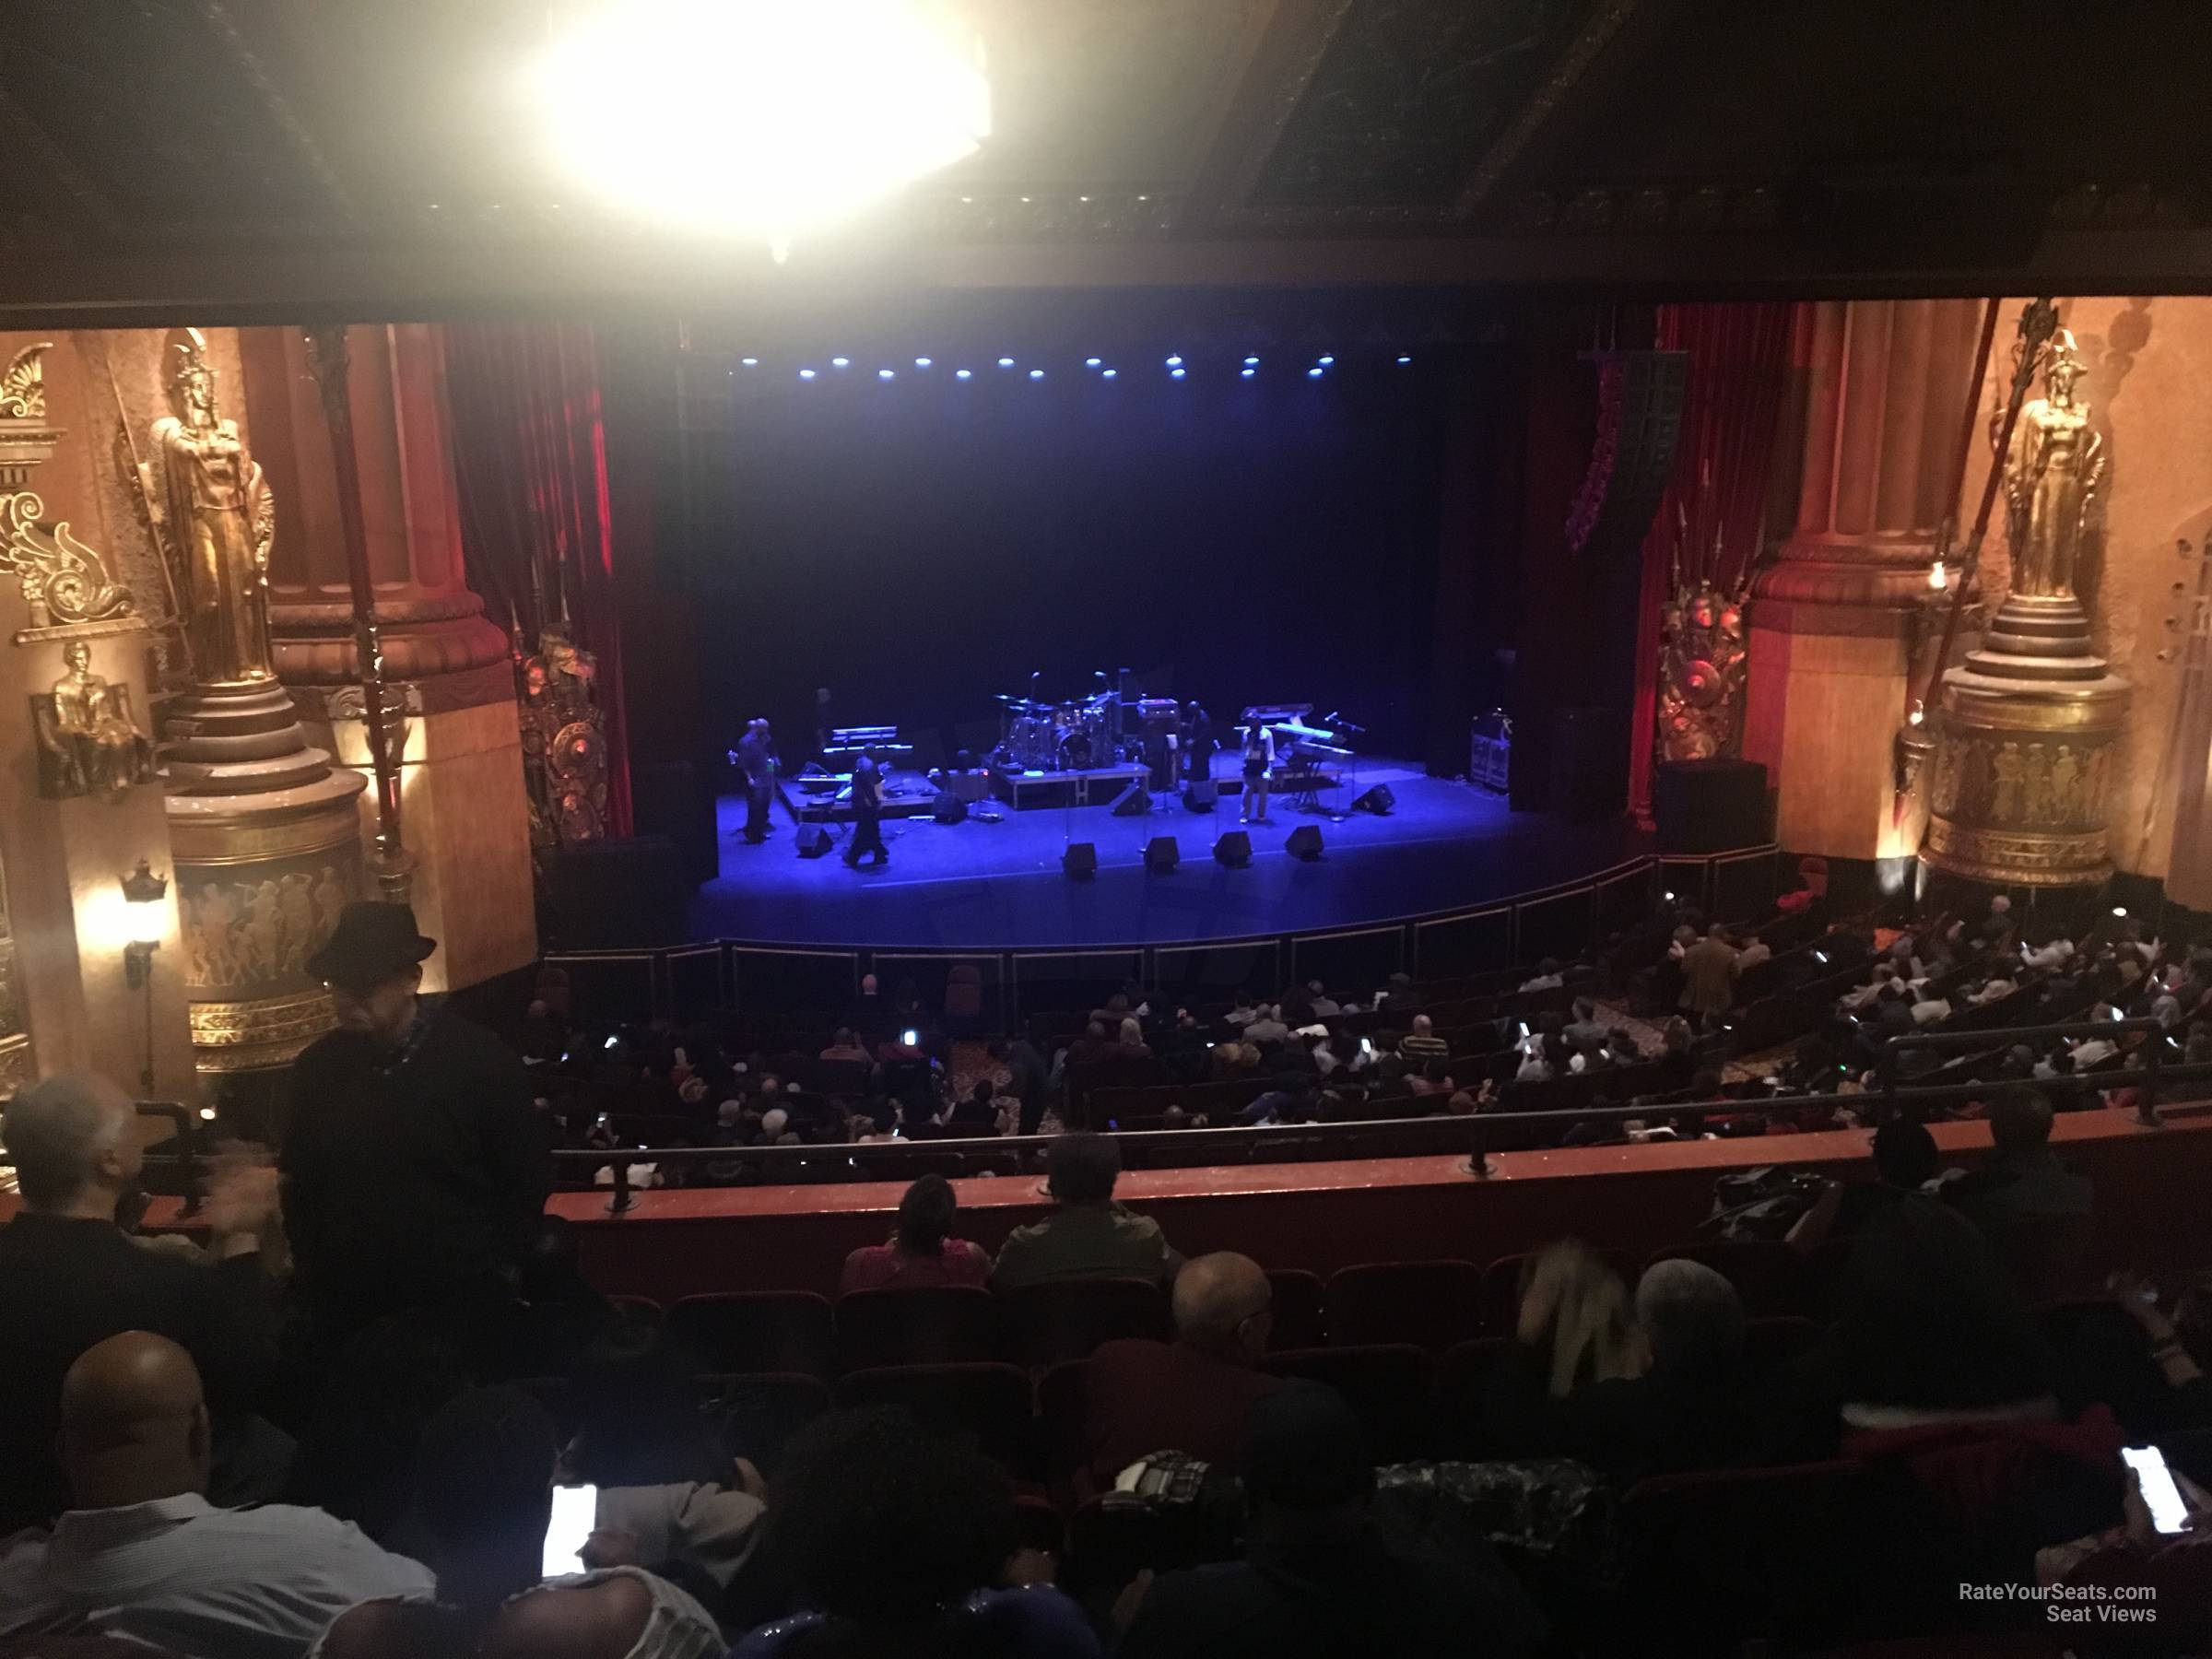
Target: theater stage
(977,885)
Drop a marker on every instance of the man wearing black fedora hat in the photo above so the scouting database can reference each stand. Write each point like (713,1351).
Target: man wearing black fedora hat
(415,1168)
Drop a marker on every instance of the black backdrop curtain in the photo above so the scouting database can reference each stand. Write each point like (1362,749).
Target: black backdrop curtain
(536,524)
(921,544)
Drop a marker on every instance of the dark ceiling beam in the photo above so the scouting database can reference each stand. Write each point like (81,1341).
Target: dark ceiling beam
(1562,79)
(77,202)
(255,73)
(1278,56)
(433,283)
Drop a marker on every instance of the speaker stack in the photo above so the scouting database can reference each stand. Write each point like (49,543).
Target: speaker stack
(1710,806)
(1162,854)
(1304,843)
(606,895)
(1080,862)
(1233,850)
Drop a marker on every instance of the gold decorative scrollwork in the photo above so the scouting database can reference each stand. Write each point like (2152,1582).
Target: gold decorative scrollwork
(64,581)
(23,386)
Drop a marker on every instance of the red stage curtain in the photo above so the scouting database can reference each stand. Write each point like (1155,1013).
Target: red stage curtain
(530,454)
(1739,356)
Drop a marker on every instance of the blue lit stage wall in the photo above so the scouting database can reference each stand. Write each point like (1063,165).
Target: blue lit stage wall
(920,541)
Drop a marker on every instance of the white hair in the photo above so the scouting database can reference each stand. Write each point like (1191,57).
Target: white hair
(57,1129)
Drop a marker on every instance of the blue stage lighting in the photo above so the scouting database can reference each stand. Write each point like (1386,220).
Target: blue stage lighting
(806,374)
(1314,374)
(1251,362)
(1248,374)
(1092,362)
(923,362)
(1036,374)
(887,374)
(963,374)
(1324,362)
(1006,362)
(840,362)
(1110,373)
(1175,362)
(1176,373)
(1405,359)
(750,363)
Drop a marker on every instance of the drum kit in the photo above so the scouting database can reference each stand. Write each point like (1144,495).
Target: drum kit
(1063,736)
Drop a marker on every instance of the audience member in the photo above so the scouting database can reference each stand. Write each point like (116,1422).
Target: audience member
(1088,1235)
(69,1276)
(1905,1160)
(1575,1318)
(1318,1577)
(846,1046)
(897,1541)
(1189,1395)
(1708,969)
(1585,1031)
(141,1554)
(2021,1177)
(1690,1410)
(919,1253)
(415,1168)
(1268,1026)
(1422,1045)
(1029,1080)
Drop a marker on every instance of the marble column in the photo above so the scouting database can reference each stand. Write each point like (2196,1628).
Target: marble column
(1840,616)
(465,812)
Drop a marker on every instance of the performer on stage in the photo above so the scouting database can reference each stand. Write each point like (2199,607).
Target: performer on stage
(867,811)
(1259,760)
(1197,743)
(757,759)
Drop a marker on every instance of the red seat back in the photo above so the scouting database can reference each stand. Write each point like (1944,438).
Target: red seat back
(1429,1304)
(756,1331)
(926,1325)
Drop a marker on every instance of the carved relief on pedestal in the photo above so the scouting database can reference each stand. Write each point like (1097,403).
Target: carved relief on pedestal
(564,744)
(67,587)
(1704,669)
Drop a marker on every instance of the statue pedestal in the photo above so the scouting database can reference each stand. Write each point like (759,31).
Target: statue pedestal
(266,840)
(2024,753)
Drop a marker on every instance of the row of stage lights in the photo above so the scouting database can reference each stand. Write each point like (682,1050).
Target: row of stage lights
(1177,369)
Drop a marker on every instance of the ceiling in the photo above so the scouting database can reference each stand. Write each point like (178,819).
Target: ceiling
(282,160)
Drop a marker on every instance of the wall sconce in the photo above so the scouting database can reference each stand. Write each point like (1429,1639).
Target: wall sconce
(143,892)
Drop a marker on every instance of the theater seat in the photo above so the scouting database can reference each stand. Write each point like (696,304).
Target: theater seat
(1771,1344)
(1389,1386)
(637,1307)
(933,1325)
(1060,1404)
(1297,1309)
(1429,1304)
(1468,1380)
(757,1412)
(985,1406)
(1053,1324)
(1719,1559)
(756,1331)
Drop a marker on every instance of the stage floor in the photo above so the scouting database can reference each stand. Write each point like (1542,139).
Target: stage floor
(980,886)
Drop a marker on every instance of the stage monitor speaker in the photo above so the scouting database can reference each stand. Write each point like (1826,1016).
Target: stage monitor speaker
(948,809)
(1234,849)
(1133,802)
(1162,854)
(1304,842)
(1200,795)
(814,841)
(670,799)
(611,895)
(1378,800)
(1710,806)
(1080,862)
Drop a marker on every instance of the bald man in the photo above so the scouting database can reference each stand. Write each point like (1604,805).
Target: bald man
(69,1276)
(141,1554)
(1190,1394)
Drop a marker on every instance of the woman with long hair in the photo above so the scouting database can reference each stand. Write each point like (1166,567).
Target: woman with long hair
(919,1253)
(1577,1317)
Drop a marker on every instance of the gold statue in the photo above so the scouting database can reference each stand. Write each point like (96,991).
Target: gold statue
(2051,477)
(214,517)
(1702,673)
(87,742)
